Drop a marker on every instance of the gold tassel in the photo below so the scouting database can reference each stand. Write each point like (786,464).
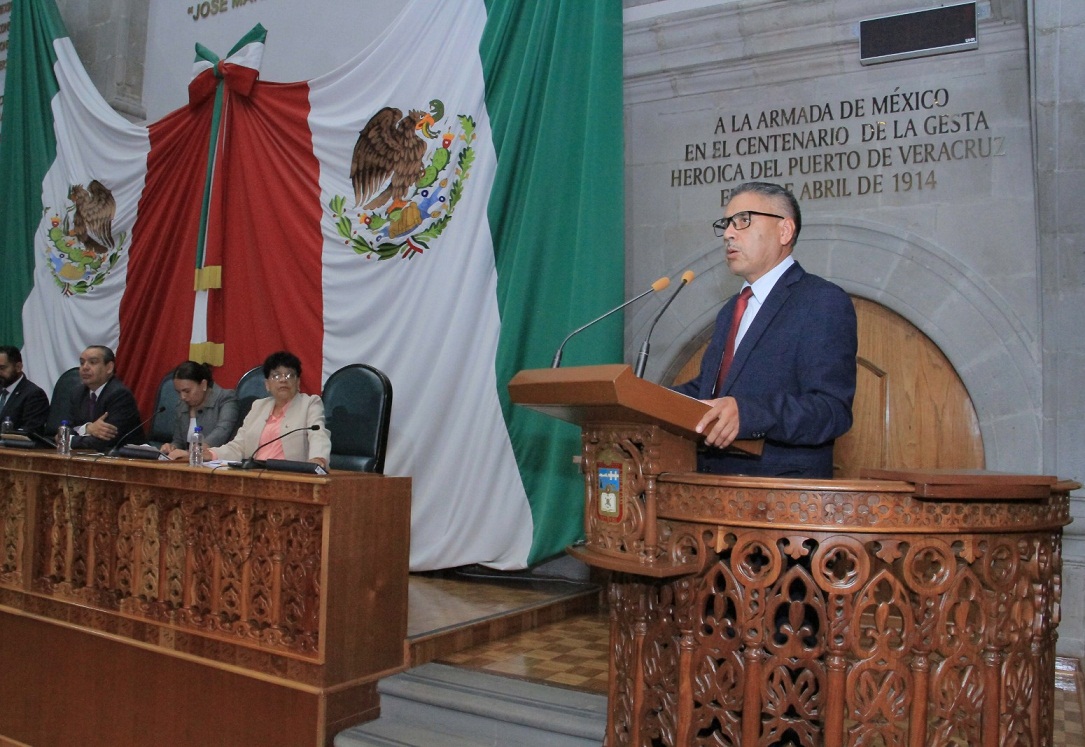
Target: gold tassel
(208,278)
(207,352)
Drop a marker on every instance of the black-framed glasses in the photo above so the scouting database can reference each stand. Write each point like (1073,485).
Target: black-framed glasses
(740,220)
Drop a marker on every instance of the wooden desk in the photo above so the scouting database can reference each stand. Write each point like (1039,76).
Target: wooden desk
(145,603)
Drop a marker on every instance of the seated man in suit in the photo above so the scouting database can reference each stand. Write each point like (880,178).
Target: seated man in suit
(20,398)
(103,411)
(787,372)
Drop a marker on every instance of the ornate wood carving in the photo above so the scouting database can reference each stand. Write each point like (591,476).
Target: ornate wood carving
(640,455)
(903,609)
(811,623)
(232,570)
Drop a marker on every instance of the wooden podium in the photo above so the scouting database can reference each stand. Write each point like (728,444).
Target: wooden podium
(913,607)
(633,431)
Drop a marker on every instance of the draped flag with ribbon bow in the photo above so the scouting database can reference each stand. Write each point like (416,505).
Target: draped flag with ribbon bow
(236,75)
(435,207)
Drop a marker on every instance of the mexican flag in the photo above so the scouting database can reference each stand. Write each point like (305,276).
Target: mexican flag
(444,206)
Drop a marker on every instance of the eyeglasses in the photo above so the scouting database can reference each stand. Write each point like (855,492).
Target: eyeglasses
(740,221)
(283,376)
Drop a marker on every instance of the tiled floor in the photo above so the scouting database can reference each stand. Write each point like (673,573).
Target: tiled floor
(572,652)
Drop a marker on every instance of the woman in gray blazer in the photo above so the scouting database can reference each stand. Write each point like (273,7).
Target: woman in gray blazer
(202,403)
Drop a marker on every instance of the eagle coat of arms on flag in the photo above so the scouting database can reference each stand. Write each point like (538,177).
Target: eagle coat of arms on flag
(404,195)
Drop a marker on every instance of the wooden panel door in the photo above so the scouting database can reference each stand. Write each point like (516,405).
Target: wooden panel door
(911,408)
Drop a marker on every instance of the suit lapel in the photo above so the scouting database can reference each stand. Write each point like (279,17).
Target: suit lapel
(15,394)
(294,417)
(777,297)
(10,401)
(100,404)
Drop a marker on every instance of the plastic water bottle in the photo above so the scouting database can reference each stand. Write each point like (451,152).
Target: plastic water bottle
(64,439)
(195,447)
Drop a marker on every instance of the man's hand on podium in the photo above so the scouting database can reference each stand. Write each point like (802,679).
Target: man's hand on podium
(720,424)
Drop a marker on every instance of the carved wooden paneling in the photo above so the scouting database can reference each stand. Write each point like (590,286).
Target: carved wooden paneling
(639,454)
(812,623)
(256,584)
(247,569)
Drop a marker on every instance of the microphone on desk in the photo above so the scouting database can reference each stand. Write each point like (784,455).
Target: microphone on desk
(658,285)
(251,462)
(642,356)
(116,450)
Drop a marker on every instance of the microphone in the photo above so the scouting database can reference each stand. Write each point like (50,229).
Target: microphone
(251,462)
(642,356)
(658,285)
(116,450)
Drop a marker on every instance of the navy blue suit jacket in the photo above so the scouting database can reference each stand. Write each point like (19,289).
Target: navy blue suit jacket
(118,401)
(793,377)
(27,406)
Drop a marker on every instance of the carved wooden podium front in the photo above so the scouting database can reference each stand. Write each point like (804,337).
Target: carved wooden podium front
(157,604)
(908,608)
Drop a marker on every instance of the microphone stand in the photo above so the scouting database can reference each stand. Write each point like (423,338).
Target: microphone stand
(658,285)
(642,356)
(252,463)
(116,450)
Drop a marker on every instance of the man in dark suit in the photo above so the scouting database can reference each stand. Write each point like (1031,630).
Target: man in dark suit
(20,398)
(791,375)
(103,411)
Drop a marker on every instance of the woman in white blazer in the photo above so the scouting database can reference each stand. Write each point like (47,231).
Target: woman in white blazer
(277,427)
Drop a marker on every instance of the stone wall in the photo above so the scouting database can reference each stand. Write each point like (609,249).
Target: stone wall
(111,39)
(1057,42)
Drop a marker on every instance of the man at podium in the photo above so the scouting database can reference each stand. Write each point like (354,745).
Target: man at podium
(781,362)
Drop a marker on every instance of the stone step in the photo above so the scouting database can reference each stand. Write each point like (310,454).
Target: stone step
(436,705)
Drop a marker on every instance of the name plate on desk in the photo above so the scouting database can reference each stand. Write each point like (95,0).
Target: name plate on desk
(141,452)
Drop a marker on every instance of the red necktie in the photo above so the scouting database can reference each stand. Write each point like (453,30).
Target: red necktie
(729,351)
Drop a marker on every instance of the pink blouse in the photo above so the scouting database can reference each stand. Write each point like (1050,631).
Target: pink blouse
(272,429)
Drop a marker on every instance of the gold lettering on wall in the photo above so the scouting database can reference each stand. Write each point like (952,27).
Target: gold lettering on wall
(893,142)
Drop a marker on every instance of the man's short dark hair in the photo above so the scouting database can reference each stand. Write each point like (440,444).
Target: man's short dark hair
(768,189)
(12,352)
(107,353)
(284,359)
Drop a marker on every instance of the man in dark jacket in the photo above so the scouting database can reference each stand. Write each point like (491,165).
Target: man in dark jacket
(103,411)
(20,398)
(787,371)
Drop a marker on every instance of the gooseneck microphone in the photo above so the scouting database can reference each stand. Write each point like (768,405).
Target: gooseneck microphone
(658,285)
(642,356)
(252,463)
(116,450)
